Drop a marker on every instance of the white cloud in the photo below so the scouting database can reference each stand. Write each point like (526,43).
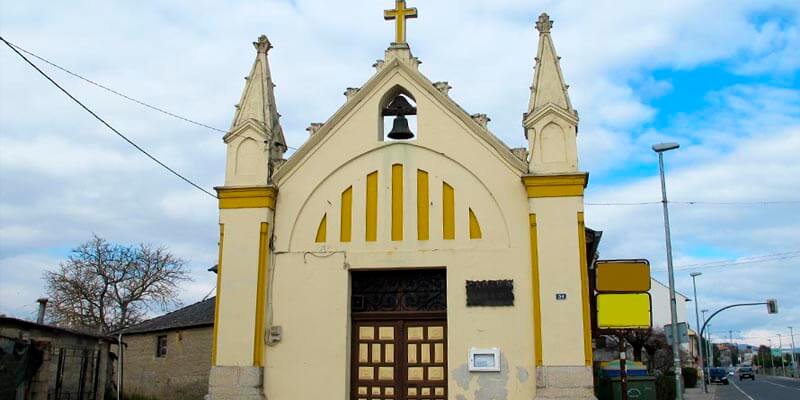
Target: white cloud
(64,176)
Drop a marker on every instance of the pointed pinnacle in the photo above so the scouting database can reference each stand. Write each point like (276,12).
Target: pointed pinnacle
(544,23)
(262,45)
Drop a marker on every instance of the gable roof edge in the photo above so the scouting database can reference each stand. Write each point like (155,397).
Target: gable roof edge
(501,149)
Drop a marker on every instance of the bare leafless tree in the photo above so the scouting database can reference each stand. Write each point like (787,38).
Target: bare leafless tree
(105,287)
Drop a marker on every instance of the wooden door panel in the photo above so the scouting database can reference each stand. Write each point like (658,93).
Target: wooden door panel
(399,359)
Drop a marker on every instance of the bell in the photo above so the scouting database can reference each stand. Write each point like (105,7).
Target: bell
(400,130)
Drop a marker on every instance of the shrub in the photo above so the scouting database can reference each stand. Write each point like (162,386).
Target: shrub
(689,376)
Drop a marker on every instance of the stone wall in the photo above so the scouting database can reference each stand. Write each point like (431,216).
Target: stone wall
(181,374)
(84,362)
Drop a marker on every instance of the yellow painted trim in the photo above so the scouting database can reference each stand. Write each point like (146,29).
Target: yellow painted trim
(322,230)
(474,226)
(537,307)
(346,225)
(397,202)
(261,295)
(448,212)
(587,327)
(555,185)
(372,207)
(252,197)
(423,206)
(216,300)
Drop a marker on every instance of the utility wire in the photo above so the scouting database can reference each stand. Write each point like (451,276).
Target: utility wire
(191,121)
(741,261)
(106,88)
(120,94)
(692,203)
(765,257)
(104,122)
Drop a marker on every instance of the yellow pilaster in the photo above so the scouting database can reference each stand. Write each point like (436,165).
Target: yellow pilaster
(217,299)
(537,308)
(587,328)
(261,295)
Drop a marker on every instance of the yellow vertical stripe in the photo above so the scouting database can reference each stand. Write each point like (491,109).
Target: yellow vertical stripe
(261,295)
(322,230)
(372,207)
(474,226)
(423,205)
(448,212)
(346,225)
(216,299)
(537,311)
(397,202)
(587,328)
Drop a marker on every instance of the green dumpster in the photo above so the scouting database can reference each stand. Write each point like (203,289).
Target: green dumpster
(639,388)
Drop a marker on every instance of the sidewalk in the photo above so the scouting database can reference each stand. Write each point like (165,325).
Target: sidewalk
(697,393)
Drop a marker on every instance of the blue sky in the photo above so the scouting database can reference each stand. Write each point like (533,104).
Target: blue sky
(721,78)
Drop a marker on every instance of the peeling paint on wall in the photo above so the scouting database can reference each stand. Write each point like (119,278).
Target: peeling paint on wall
(522,374)
(493,385)
(461,376)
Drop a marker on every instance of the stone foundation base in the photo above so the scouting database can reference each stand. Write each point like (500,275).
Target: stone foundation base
(233,383)
(566,383)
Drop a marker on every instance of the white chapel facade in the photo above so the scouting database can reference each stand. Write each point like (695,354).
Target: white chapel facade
(388,260)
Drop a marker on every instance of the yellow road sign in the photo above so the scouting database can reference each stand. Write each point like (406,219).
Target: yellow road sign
(617,276)
(623,311)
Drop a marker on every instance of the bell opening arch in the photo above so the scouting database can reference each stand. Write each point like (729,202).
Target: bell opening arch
(397,116)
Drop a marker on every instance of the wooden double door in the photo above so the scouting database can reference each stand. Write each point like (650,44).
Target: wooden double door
(399,335)
(399,359)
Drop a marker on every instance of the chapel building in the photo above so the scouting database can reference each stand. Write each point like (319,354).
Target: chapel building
(403,251)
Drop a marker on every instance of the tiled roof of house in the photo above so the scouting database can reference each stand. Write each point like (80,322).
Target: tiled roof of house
(197,314)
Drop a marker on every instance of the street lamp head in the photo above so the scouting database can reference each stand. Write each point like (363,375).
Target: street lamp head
(662,147)
(693,274)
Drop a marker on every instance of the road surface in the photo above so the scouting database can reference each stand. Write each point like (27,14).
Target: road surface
(763,388)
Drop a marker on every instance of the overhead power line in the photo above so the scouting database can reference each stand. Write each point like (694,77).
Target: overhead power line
(764,257)
(692,203)
(108,89)
(136,146)
(118,93)
(739,261)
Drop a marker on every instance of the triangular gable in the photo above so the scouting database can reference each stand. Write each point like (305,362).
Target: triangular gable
(499,149)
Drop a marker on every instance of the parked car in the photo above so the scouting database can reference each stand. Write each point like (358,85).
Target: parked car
(719,375)
(746,372)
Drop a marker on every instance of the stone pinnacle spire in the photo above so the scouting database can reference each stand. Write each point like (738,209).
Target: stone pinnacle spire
(257,104)
(548,81)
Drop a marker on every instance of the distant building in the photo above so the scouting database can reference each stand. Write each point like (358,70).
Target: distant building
(659,295)
(169,357)
(41,362)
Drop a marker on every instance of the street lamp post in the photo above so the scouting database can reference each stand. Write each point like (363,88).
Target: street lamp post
(794,358)
(673,306)
(771,358)
(697,321)
(780,350)
(710,349)
(708,353)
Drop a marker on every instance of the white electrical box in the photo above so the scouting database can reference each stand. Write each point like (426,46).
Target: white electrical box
(484,359)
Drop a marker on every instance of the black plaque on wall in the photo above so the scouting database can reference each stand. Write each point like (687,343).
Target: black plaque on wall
(490,293)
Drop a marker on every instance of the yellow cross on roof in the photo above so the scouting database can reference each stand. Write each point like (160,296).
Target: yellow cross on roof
(400,13)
